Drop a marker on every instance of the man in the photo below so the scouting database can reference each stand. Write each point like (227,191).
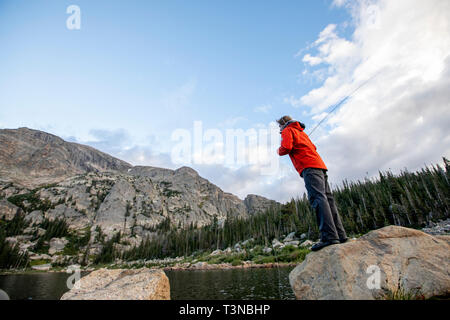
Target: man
(308,163)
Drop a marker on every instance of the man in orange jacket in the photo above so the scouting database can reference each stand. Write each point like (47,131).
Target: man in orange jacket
(295,142)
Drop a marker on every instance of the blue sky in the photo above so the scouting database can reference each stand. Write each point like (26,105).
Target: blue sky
(130,60)
(137,70)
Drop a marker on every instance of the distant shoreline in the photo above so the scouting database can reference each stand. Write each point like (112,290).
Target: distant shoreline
(206,267)
(226,266)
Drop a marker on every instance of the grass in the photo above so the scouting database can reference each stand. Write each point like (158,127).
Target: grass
(39,262)
(291,254)
(236,262)
(264,259)
(402,294)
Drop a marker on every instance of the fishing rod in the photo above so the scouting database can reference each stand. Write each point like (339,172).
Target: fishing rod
(342,101)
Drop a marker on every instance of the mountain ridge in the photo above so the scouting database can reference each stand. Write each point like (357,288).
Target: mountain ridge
(33,157)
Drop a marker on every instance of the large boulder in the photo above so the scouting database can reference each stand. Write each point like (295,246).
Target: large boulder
(57,245)
(406,260)
(120,284)
(8,210)
(35,218)
(289,237)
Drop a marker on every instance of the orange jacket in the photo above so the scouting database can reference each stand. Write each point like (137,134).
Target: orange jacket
(301,150)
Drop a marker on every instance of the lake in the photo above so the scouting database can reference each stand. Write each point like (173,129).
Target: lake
(239,284)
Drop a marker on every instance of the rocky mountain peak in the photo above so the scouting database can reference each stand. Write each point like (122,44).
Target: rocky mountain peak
(32,157)
(255,203)
(187,171)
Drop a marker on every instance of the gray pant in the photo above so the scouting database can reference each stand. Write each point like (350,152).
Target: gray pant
(322,201)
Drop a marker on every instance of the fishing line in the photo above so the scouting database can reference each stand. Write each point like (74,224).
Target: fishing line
(342,101)
(276,257)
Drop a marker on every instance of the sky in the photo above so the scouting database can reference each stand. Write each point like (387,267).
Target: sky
(135,72)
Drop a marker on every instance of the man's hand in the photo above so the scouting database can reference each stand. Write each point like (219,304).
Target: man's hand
(283,151)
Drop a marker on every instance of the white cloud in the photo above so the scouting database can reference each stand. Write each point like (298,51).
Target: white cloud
(339,3)
(295,102)
(282,186)
(402,117)
(312,61)
(120,144)
(180,97)
(263,109)
(327,34)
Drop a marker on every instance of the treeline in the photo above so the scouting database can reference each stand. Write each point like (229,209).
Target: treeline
(10,255)
(410,199)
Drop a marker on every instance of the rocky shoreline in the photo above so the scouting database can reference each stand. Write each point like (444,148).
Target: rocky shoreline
(439,228)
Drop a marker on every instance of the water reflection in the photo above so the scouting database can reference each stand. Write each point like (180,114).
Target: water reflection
(44,286)
(239,284)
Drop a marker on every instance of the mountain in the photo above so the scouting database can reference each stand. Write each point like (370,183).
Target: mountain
(48,178)
(31,158)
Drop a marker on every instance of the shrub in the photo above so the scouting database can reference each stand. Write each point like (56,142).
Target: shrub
(38,262)
(264,259)
(402,294)
(236,262)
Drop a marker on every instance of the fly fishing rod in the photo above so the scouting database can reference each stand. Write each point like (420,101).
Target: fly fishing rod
(342,101)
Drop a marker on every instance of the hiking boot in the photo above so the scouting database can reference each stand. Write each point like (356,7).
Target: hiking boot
(321,244)
(343,240)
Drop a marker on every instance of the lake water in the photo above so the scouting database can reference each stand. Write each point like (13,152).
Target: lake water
(239,284)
